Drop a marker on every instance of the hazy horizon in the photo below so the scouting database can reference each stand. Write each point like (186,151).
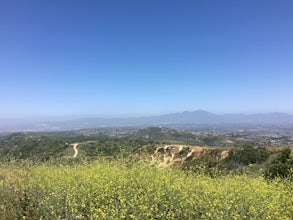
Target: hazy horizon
(144,58)
(126,116)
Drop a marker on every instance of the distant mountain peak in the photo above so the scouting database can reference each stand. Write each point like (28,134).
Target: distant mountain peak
(197,112)
(186,118)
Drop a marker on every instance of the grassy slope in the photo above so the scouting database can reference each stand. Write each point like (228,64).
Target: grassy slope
(117,190)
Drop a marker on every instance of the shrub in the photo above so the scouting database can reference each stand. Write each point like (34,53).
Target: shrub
(247,155)
(281,167)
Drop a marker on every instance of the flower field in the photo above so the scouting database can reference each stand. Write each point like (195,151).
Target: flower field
(107,189)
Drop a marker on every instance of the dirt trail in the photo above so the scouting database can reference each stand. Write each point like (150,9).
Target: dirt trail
(74,145)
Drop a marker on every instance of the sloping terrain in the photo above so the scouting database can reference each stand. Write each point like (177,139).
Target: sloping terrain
(156,145)
(213,159)
(178,155)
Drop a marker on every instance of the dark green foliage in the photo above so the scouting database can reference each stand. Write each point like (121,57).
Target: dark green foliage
(140,143)
(42,146)
(212,140)
(209,163)
(246,155)
(284,156)
(281,166)
(35,145)
(167,135)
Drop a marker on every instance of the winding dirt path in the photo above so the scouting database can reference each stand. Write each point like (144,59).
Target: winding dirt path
(74,145)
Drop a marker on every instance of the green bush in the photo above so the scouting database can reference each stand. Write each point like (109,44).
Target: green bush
(281,167)
(247,155)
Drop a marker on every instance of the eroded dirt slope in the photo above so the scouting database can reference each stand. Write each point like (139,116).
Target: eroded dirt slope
(180,154)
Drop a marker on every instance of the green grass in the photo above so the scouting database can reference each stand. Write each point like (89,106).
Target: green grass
(107,189)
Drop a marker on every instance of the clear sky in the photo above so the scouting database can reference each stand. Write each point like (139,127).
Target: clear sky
(146,57)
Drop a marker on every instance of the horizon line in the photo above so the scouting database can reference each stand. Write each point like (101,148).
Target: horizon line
(126,115)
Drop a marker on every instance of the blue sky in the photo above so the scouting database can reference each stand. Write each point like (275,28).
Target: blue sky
(148,57)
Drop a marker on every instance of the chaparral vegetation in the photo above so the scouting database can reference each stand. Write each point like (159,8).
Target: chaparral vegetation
(147,180)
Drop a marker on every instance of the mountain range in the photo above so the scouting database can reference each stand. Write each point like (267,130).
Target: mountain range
(183,119)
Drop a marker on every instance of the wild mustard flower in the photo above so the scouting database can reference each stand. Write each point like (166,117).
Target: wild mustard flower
(114,190)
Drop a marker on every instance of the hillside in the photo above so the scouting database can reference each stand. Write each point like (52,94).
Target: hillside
(154,145)
(117,189)
(150,173)
(109,141)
